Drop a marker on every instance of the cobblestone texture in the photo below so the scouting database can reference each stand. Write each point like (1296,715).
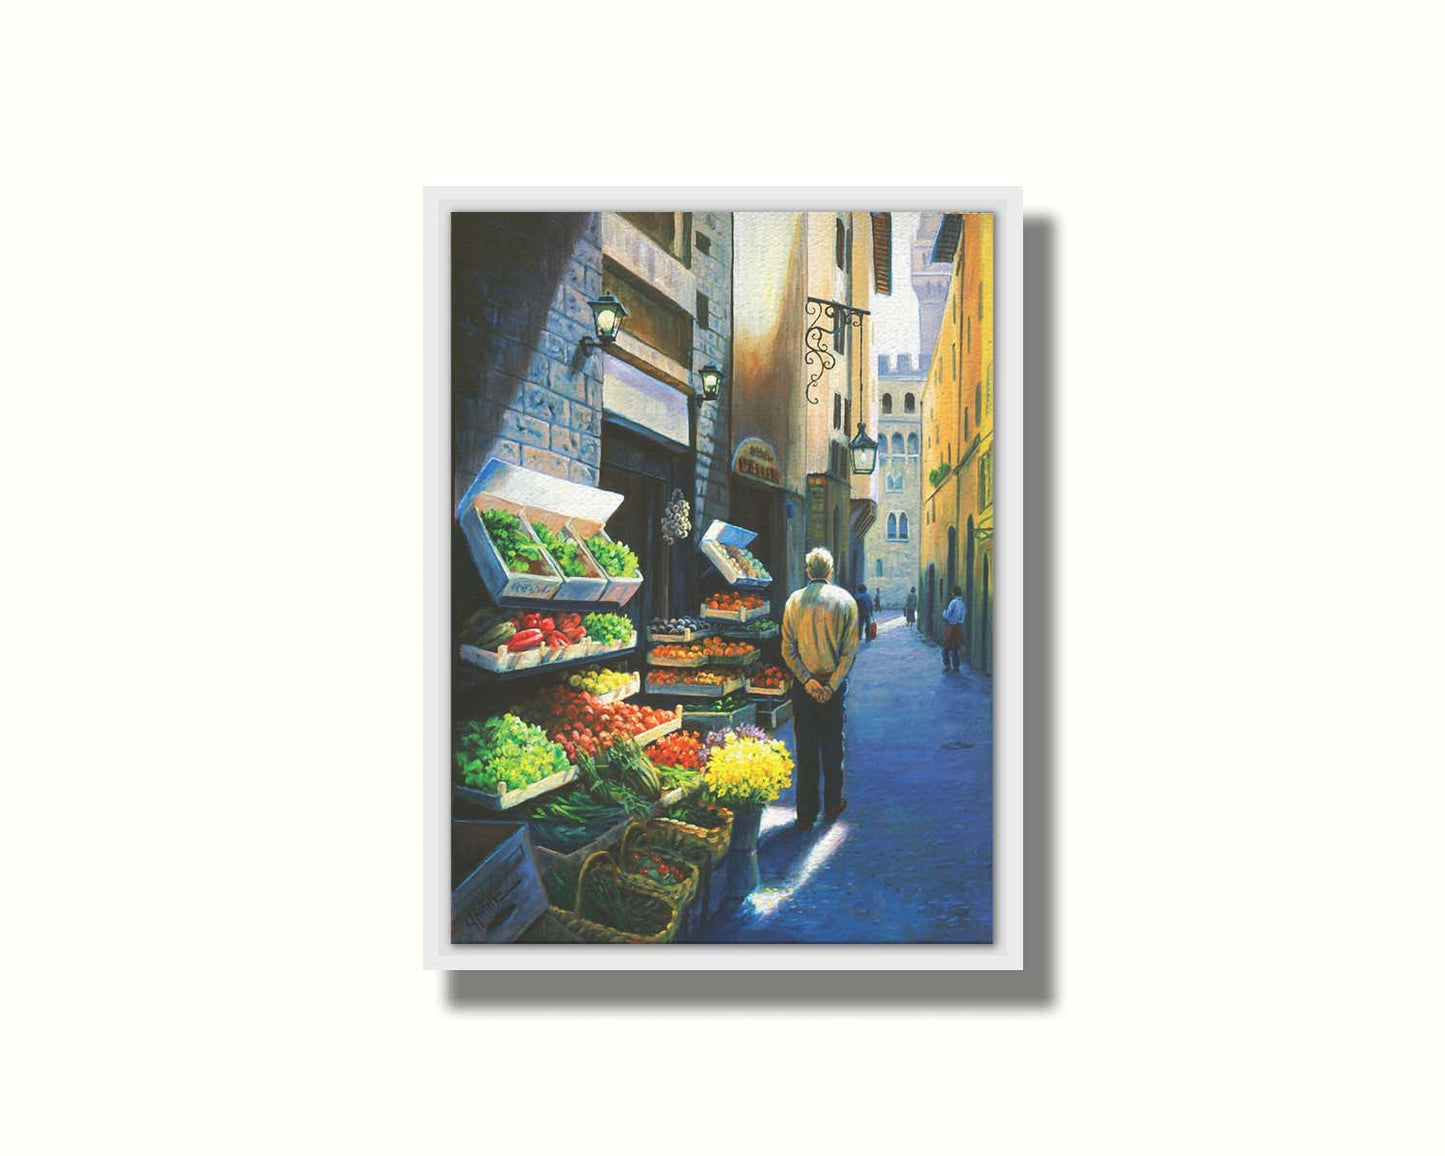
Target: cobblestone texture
(911,860)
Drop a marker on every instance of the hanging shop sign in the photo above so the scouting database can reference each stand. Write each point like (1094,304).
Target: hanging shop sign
(756,460)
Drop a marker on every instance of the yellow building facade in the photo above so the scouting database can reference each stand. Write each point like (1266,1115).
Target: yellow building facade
(958,451)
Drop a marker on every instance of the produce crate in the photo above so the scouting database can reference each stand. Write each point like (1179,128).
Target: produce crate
(734,659)
(620,590)
(596,649)
(654,659)
(742,635)
(688,635)
(766,691)
(499,580)
(622,692)
(496,888)
(721,534)
(533,496)
(568,653)
(736,615)
(697,689)
(654,733)
(774,714)
(701,719)
(593,586)
(506,800)
(501,660)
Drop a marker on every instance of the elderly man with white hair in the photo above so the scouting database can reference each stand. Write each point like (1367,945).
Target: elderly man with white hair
(820,642)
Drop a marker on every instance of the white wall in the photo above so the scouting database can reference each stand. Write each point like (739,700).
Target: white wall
(210,851)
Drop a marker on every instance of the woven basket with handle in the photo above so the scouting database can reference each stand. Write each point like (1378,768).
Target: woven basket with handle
(716,839)
(651,918)
(678,894)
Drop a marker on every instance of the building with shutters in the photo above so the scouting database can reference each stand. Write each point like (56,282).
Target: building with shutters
(957,420)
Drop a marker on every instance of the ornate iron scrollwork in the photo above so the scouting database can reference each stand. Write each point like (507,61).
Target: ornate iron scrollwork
(824,320)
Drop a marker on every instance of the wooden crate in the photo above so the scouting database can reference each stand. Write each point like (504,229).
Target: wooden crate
(701,719)
(496,888)
(506,800)
(654,733)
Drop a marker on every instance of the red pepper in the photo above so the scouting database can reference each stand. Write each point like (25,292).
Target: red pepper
(545,625)
(524,640)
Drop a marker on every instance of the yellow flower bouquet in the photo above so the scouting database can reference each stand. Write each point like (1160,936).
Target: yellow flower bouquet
(747,771)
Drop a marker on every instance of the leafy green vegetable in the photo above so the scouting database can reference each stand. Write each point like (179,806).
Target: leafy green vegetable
(571,820)
(565,551)
(506,753)
(607,627)
(673,777)
(614,557)
(519,553)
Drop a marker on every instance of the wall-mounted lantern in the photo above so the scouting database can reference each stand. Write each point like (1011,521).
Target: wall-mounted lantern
(712,379)
(607,315)
(864,451)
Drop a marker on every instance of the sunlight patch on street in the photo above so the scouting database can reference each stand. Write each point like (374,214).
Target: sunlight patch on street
(890,624)
(773,817)
(767,900)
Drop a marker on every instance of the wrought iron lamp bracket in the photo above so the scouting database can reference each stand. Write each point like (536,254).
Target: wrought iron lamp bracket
(824,318)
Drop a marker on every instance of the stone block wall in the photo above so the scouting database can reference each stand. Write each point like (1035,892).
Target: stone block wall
(713,343)
(521,389)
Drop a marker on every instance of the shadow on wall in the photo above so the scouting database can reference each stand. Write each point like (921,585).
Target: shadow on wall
(520,286)
(858,992)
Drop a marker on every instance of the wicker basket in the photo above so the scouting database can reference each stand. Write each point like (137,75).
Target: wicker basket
(678,894)
(716,840)
(574,927)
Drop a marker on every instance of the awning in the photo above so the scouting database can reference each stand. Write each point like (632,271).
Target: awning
(883,252)
(945,245)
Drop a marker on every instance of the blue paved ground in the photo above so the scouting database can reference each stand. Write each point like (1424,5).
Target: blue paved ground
(911,861)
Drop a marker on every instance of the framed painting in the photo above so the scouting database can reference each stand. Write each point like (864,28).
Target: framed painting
(723,567)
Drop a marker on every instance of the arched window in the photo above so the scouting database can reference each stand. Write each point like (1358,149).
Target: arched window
(892,525)
(898,443)
(909,403)
(912,445)
(888,403)
(903,527)
(879,570)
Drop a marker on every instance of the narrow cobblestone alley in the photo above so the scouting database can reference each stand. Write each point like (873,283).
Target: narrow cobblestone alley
(911,860)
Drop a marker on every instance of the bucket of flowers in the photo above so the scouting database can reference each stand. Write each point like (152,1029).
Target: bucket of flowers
(744,770)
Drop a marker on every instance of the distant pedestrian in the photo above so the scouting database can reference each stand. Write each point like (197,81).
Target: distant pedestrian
(910,604)
(866,624)
(953,618)
(878,602)
(820,642)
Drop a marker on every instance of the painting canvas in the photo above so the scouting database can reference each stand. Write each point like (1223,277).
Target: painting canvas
(722,577)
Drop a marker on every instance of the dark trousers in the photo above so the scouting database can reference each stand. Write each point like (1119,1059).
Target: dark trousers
(818,732)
